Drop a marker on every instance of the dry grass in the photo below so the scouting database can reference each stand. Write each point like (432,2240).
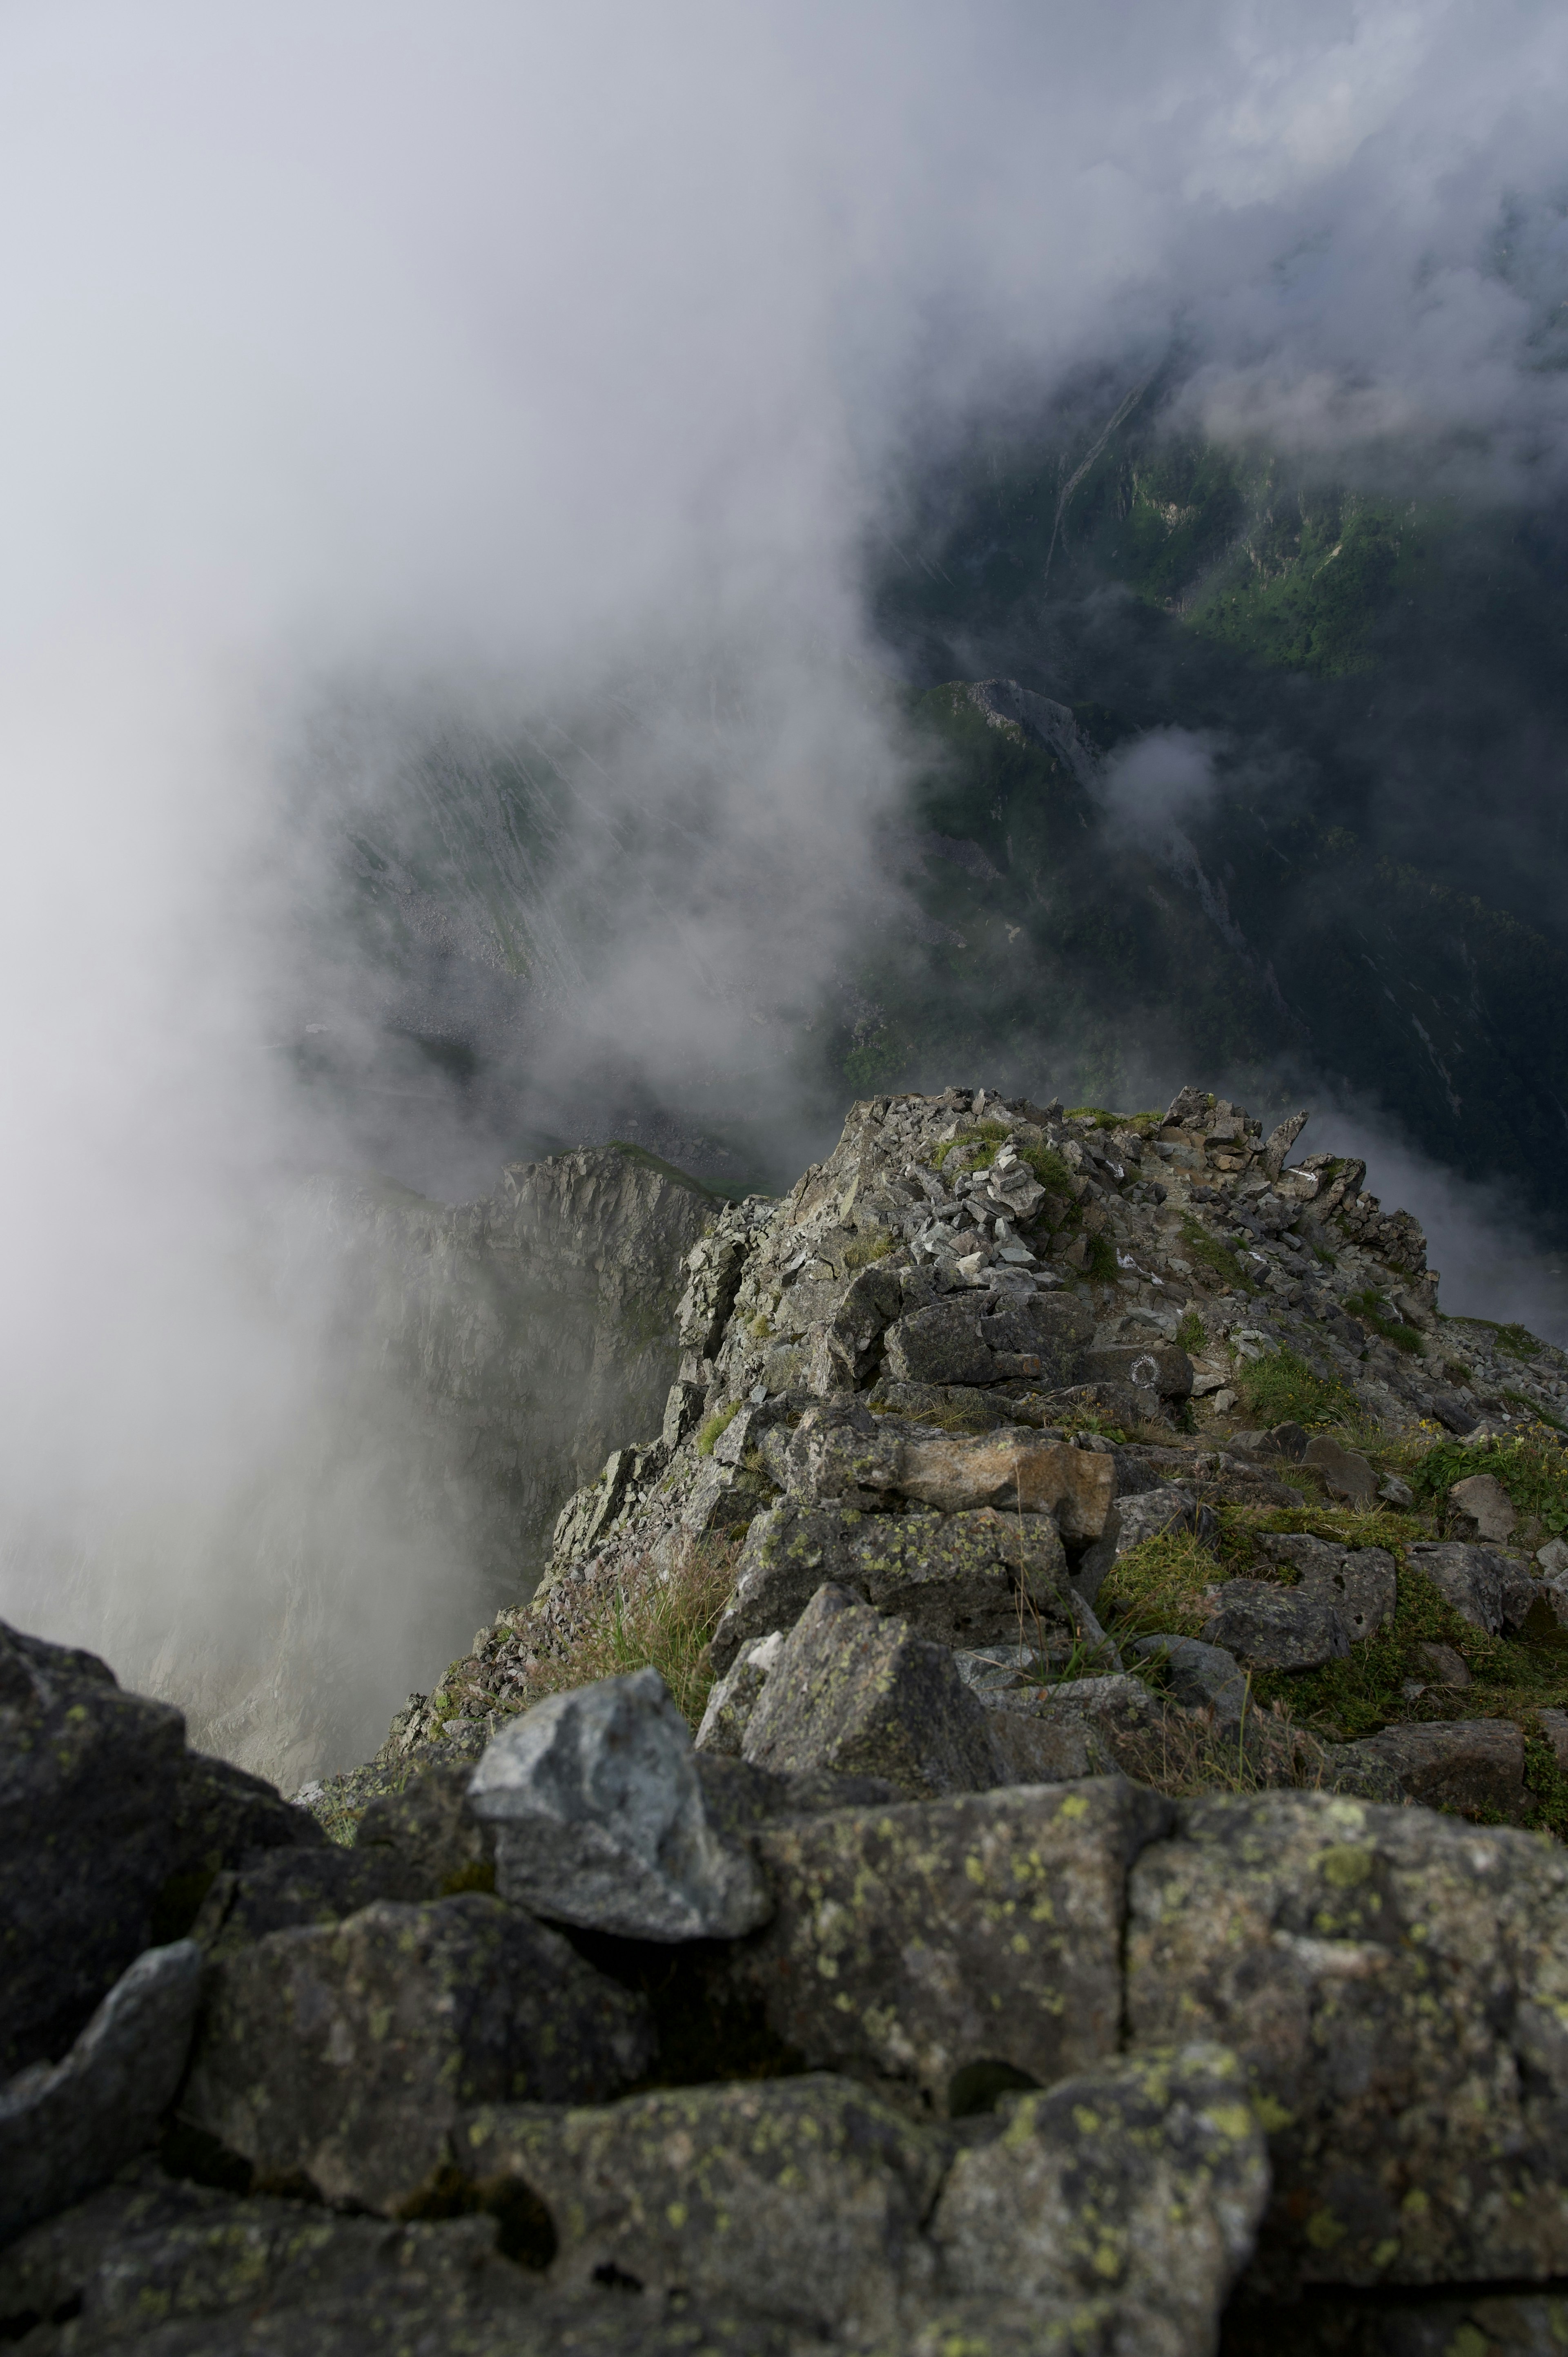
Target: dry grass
(1190,1754)
(653,1615)
(1158,1587)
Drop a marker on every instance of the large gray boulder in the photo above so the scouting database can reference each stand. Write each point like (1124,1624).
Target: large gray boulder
(110,1833)
(858,1693)
(1396,1983)
(599,1818)
(344,2056)
(842,1450)
(66,2126)
(958,1947)
(286,1887)
(802,2198)
(1140,2183)
(962,1579)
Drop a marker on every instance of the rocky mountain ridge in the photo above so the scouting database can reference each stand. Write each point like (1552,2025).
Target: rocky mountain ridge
(1091,1906)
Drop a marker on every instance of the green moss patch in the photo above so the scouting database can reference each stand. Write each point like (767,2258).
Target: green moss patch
(720,1421)
(1160,1587)
(1210,1253)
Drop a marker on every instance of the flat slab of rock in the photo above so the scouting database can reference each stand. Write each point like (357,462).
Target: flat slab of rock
(1158,1368)
(962,1579)
(1143,2180)
(66,2128)
(843,1452)
(1078,1727)
(346,2055)
(859,1693)
(598,1818)
(1267,1627)
(930,1945)
(1394,1982)
(802,2198)
(1474,1768)
(978,1339)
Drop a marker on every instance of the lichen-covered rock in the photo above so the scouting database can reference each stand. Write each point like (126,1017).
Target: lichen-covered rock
(66,2126)
(1267,1627)
(292,1886)
(963,1579)
(930,1945)
(844,1451)
(733,1698)
(1076,1727)
(344,2055)
(986,1339)
(1360,1583)
(430,1828)
(1473,1767)
(598,1816)
(1396,1983)
(858,1693)
(1144,2178)
(802,2198)
(110,1832)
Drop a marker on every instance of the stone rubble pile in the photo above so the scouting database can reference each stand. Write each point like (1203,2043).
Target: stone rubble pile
(897,2009)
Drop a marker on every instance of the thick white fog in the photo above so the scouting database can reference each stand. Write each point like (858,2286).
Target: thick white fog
(489,360)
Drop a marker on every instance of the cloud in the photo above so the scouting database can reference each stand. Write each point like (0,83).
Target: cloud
(1158,781)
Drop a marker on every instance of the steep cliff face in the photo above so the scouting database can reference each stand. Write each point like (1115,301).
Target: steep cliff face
(480,1362)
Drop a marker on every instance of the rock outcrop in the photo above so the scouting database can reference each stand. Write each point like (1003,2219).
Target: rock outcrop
(1081,1914)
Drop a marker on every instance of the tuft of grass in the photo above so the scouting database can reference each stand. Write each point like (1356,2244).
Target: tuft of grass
(1160,1587)
(1097,1115)
(863,1250)
(1102,1261)
(1211,1253)
(1531,1466)
(1283,1389)
(1517,1341)
(1191,1333)
(662,1621)
(1049,1167)
(987,1138)
(720,1421)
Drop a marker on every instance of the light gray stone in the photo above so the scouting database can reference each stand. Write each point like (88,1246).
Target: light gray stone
(599,1818)
(66,2126)
(1553,1559)
(1361,1583)
(1485,1510)
(734,1697)
(1473,1579)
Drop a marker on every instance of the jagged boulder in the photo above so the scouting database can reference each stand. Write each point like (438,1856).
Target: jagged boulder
(986,1339)
(972,1943)
(857,1693)
(110,1834)
(1396,1983)
(345,2055)
(599,1818)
